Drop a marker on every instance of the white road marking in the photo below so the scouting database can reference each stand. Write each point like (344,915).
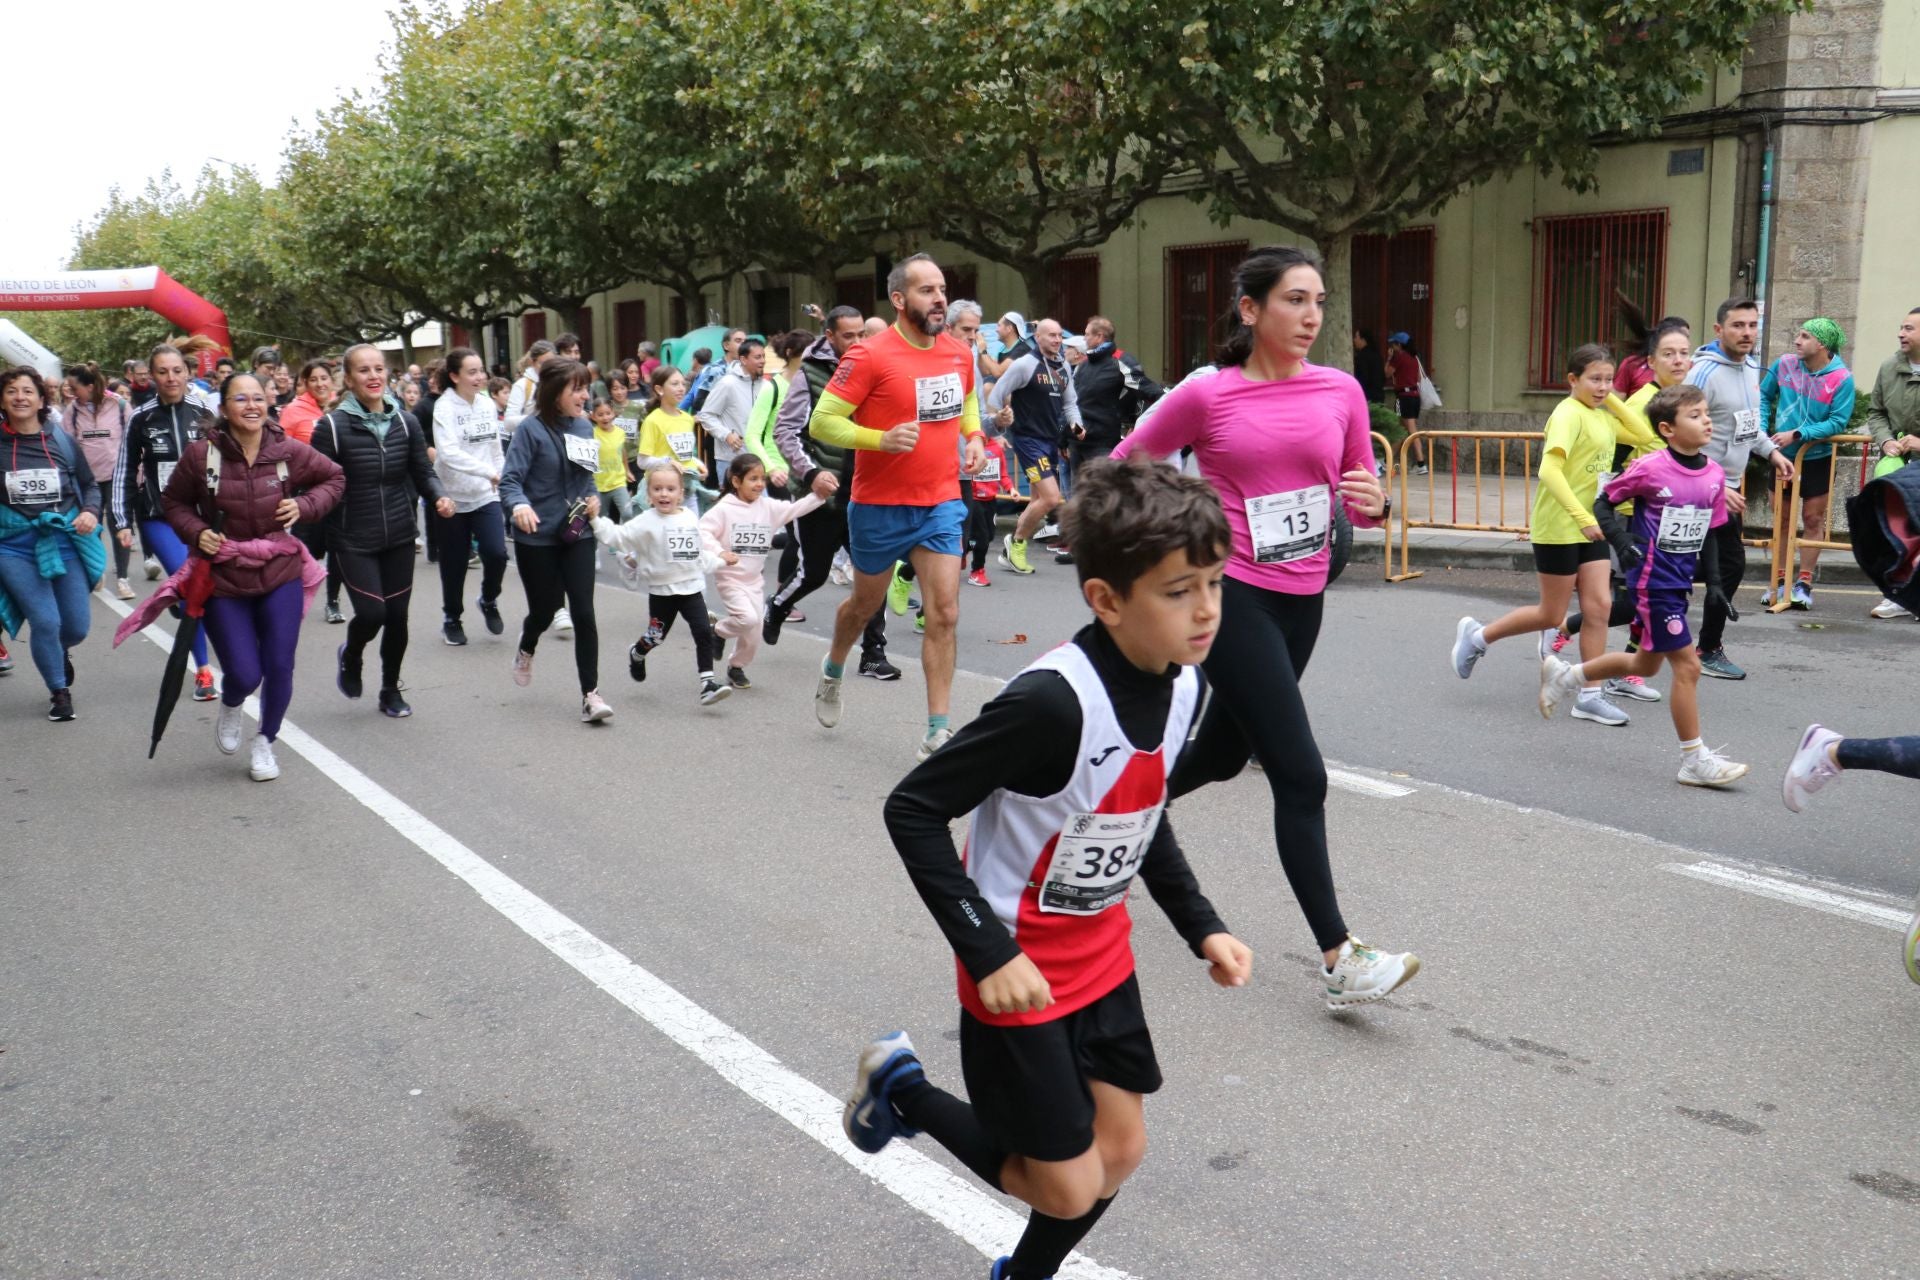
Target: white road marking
(1362,785)
(1843,905)
(982,1221)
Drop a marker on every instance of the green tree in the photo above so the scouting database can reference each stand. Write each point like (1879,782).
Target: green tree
(1340,117)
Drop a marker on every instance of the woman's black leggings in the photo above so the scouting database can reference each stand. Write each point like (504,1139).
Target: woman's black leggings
(662,610)
(1886,755)
(553,575)
(380,587)
(1254,708)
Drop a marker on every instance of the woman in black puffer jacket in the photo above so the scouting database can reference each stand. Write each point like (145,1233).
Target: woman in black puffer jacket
(383,452)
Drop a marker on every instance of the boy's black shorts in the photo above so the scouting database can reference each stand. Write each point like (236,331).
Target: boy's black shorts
(1029,1084)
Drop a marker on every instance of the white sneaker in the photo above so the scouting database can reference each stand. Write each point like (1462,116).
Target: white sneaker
(122,588)
(1466,651)
(934,741)
(152,569)
(264,767)
(226,728)
(1811,768)
(1550,642)
(1592,705)
(594,708)
(1885,609)
(1558,683)
(1631,687)
(826,699)
(1361,975)
(1708,768)
(1047,532)
(562,622)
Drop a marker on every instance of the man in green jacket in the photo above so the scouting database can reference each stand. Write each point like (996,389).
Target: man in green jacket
(1894,419)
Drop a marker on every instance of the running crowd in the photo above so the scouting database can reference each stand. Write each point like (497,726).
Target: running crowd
(1197,522)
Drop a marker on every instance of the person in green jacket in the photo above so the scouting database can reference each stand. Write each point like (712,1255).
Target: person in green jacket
(1894,418)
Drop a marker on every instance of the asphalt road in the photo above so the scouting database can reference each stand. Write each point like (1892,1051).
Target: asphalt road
(310,1029)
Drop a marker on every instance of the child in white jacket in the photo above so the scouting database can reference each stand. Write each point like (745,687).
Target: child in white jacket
(666,553)
(741,524)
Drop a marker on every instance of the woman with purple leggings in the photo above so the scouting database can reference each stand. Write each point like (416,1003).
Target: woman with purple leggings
(261,483)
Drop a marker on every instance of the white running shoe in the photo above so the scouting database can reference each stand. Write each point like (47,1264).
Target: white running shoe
(1631,687)
(1047,532)
(594,708)
(123,589)
(1592,705)
(523,668)
(1550,642)
(562,622)
(226,728)
(934,741)
(264,768)
(826,699)
(152,569)
(1708,768)
(1466,651)
(1811,768)
(1558,683)
(1361,975)
(1885,609)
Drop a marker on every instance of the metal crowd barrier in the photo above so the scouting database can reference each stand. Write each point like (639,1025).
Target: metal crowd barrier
(1384,447)
(1503,520)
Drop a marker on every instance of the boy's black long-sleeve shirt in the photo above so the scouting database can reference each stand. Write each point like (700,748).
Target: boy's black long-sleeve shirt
(1027,740)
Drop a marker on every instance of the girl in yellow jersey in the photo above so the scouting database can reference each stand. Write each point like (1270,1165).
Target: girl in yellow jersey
(1569,550)
(669,434)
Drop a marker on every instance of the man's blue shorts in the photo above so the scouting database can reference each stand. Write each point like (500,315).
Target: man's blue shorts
(1039,458)
(877,536)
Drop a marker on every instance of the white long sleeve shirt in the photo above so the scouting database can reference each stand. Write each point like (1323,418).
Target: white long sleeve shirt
(467,451)
(673,553)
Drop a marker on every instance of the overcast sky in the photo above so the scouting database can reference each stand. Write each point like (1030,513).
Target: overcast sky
(90,84)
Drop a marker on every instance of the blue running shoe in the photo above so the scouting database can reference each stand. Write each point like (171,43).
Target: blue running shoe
(869,1118)
(1802,597)
(1000,1268)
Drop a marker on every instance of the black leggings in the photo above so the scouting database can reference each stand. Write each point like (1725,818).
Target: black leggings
(457,534)
(380,587)
(1725,543)
(315,538)
(1255,708)
(662,610)
(980,527)
(552,575)
(820,533)
(1887,755)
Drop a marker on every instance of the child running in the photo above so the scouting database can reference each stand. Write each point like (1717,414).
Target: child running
(1679,495)
(742,525)
(983,493)
(668,433)
(671,558)
(611,479)
(1065,776)
(1569,549)
(1824,755)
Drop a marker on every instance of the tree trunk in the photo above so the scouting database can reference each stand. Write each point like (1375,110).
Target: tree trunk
(1036,273)
(1334,347)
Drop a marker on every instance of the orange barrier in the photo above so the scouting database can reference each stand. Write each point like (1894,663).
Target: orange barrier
(1503,521)
(1385,448)
(1787,538)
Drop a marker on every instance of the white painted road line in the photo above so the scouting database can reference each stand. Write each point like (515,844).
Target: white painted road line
(982,1221)
(1802,895)
(1361,784)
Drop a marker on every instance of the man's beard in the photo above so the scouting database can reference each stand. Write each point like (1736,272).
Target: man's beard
(926,322)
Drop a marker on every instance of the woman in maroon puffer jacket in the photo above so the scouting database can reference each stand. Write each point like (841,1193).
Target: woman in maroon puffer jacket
(267,482)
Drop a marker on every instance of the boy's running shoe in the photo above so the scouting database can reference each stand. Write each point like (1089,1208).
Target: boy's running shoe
(1811,767)
(1632,687)
(826,698)
(1558,683)
(1361,975)
(978,578)
(1592,705)
(898,592)
(1716,663)
(1802,597)
(1708,768)
(869,1117)
(1910,949)
(1465,651)
(1014,555)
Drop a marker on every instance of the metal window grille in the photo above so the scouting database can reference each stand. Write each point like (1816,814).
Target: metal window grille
(533,327)
(1199,279)
(1582,268)
(1393,287)
(1073,291)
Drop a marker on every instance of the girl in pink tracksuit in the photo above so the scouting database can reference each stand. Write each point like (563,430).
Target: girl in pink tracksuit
(742,523)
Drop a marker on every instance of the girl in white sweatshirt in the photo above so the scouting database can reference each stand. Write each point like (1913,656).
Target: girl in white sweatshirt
(667,554)
(741,524)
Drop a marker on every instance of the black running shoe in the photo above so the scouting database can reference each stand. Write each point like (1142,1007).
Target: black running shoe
(453,632)
(392,704)
(347,676)
(62,708)
(770,626)
(879,669)
(737,677)
(490,610)
(636,664)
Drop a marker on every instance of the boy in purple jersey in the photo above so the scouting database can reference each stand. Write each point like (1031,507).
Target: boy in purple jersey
(1679,494)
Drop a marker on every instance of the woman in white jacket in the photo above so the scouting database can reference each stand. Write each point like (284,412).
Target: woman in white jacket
(468,457)
(665,553)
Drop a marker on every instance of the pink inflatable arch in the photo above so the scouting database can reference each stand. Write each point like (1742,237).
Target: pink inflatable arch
(148,287)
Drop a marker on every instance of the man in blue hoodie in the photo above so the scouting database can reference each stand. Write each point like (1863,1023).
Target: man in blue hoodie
(1728,372)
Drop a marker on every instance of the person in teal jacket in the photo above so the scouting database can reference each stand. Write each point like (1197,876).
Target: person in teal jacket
(1809,397)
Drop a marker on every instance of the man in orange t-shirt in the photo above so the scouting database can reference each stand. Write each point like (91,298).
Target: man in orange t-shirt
(905,398)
